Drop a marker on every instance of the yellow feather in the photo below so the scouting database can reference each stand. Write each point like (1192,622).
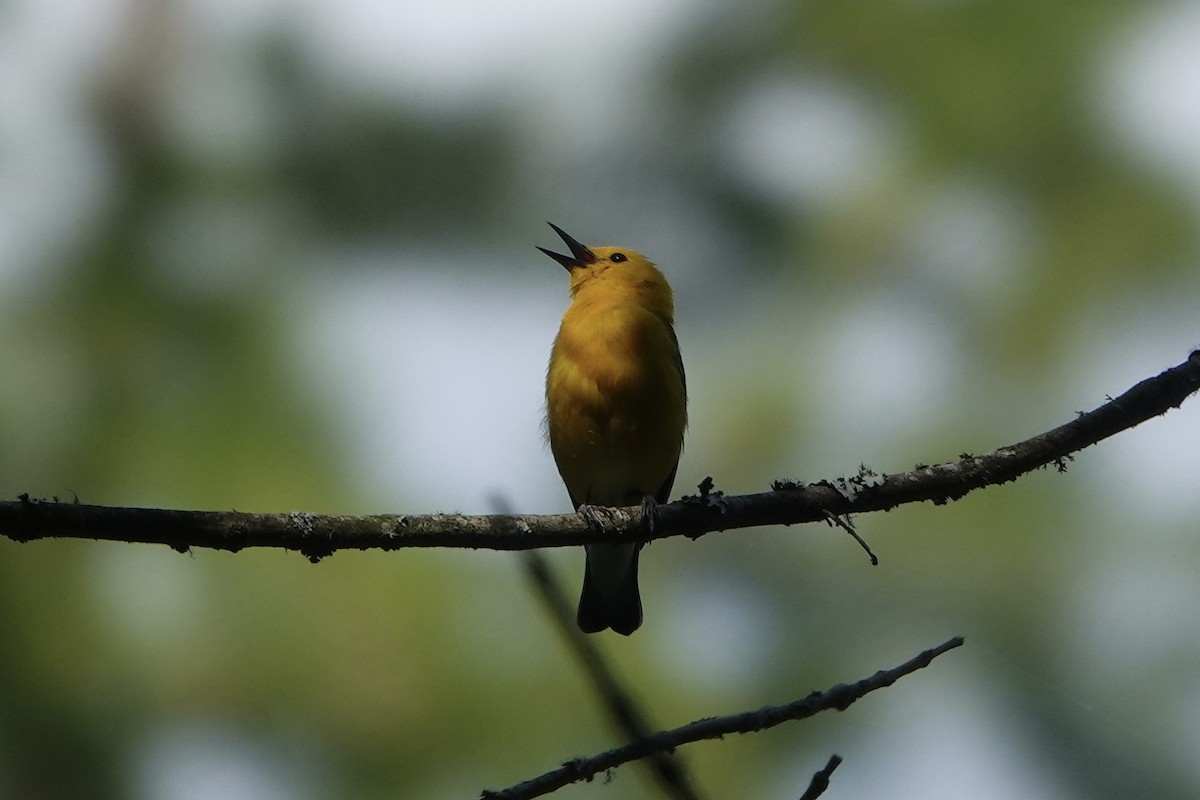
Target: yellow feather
(616,407)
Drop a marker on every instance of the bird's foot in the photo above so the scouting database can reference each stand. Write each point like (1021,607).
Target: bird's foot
(596,516)
(649,513)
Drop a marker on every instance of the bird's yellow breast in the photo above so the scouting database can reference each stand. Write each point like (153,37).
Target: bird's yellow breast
(615,399)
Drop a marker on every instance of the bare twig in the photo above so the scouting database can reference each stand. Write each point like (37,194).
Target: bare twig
(622,708)
(317,535)
(848,527)
(820,780)
(839,697)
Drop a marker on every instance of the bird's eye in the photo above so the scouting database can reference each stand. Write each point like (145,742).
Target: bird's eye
(617,258)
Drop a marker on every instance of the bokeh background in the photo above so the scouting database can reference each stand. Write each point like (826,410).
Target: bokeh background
(278,255)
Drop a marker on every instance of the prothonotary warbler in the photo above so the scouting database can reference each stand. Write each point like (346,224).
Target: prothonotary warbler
(616,409)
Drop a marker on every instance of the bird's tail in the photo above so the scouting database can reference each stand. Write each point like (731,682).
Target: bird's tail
(610,597)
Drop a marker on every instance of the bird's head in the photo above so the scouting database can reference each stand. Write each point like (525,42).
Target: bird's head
(619,273)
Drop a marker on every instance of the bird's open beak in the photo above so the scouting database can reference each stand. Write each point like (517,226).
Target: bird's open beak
(580,256)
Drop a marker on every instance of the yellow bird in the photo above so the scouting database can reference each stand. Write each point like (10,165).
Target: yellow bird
(616,408)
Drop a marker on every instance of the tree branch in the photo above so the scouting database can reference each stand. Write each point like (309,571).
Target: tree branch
(623,710)
(820,779)
(317,535)
(839,697)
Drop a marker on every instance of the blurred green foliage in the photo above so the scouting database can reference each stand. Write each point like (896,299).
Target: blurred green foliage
(154,366)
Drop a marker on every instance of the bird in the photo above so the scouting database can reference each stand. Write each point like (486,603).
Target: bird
(616,411)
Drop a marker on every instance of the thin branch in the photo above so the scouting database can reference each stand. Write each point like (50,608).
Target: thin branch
(848,527)
(839,697)
(624,711)
(317,535)
(820,780)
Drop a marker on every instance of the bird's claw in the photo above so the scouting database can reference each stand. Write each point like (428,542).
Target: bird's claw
(596,516)
(649,513)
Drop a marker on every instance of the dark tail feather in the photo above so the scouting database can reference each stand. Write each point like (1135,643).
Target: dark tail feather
(619,608)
